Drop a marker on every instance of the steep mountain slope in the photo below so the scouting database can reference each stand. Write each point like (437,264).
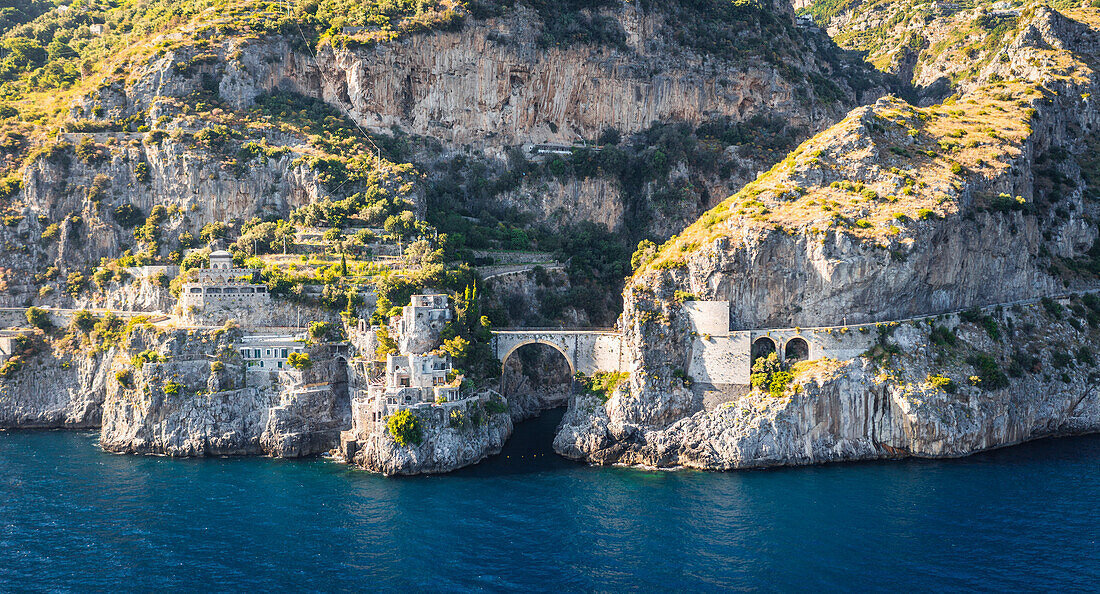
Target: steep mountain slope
(895,212)
(338,115)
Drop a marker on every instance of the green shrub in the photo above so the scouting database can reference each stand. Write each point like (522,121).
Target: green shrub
(322,331)
(769,374)
(1092,301)
(941,336)
(1060,360)
(602,384)
(125,378)
(681,296)
(925,214)
(51,232)
(1053,308)
(84,321)
(172,388)
(404,427)
(146,356)
(495,407)
(141,172)
(10,366)
(1084,356)
(89,152)
(128,216)
(988,371)
(684,378)
(647,250)
(75,283)
(299,360)
(38,318)
(212,231)
(779,382)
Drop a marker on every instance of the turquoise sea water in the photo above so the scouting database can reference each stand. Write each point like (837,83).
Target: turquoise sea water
(73,518)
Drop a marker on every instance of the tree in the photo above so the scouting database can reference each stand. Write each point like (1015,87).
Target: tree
(320,330)
(422,253)
(128,215)
(212,231)
(386,344)
(141,172)
(404,426)
(299,360)
(84,321)
(646,251)
(75,283)
(457,347)
(402,225)
(38,318)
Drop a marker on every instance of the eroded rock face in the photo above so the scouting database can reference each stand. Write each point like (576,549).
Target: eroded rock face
(470,85)
(867,409)
(779,270)
(201,401)
(452,437)
(56,390)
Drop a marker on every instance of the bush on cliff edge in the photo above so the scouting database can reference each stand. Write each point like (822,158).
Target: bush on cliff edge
(405,428)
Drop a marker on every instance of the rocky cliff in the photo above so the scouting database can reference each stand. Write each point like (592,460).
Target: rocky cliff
(895,212)
(167,123)
(447,438)
(54,387)
(936,388)
(197,398)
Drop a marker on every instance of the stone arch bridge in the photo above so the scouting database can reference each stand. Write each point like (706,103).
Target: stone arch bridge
(587,350)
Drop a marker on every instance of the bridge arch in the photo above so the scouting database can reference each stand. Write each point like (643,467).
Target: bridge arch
(557,347)
(762,347)
(796,349)
(560,349)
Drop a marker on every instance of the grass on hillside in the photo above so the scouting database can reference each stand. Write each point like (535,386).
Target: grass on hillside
(902,165)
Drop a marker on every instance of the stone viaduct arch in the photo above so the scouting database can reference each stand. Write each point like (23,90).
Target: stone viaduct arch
(796,349)
(762,347)
(557,347)
(586,351)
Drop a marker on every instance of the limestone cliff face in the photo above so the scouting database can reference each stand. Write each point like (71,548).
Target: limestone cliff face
(871,408)
(886,215)
(200,401)
(492,81)
(56,390)
(451,437)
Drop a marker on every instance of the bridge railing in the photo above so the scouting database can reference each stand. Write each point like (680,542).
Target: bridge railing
(554,329)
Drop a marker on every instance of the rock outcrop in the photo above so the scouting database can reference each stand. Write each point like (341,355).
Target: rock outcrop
(887,215)
(450,437)
(196,398)
(59,388)
(929,399)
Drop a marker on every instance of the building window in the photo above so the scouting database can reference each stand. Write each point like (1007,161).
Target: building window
(284,354)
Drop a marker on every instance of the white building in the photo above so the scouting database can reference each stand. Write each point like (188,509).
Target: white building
(223,285)
(265,352)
